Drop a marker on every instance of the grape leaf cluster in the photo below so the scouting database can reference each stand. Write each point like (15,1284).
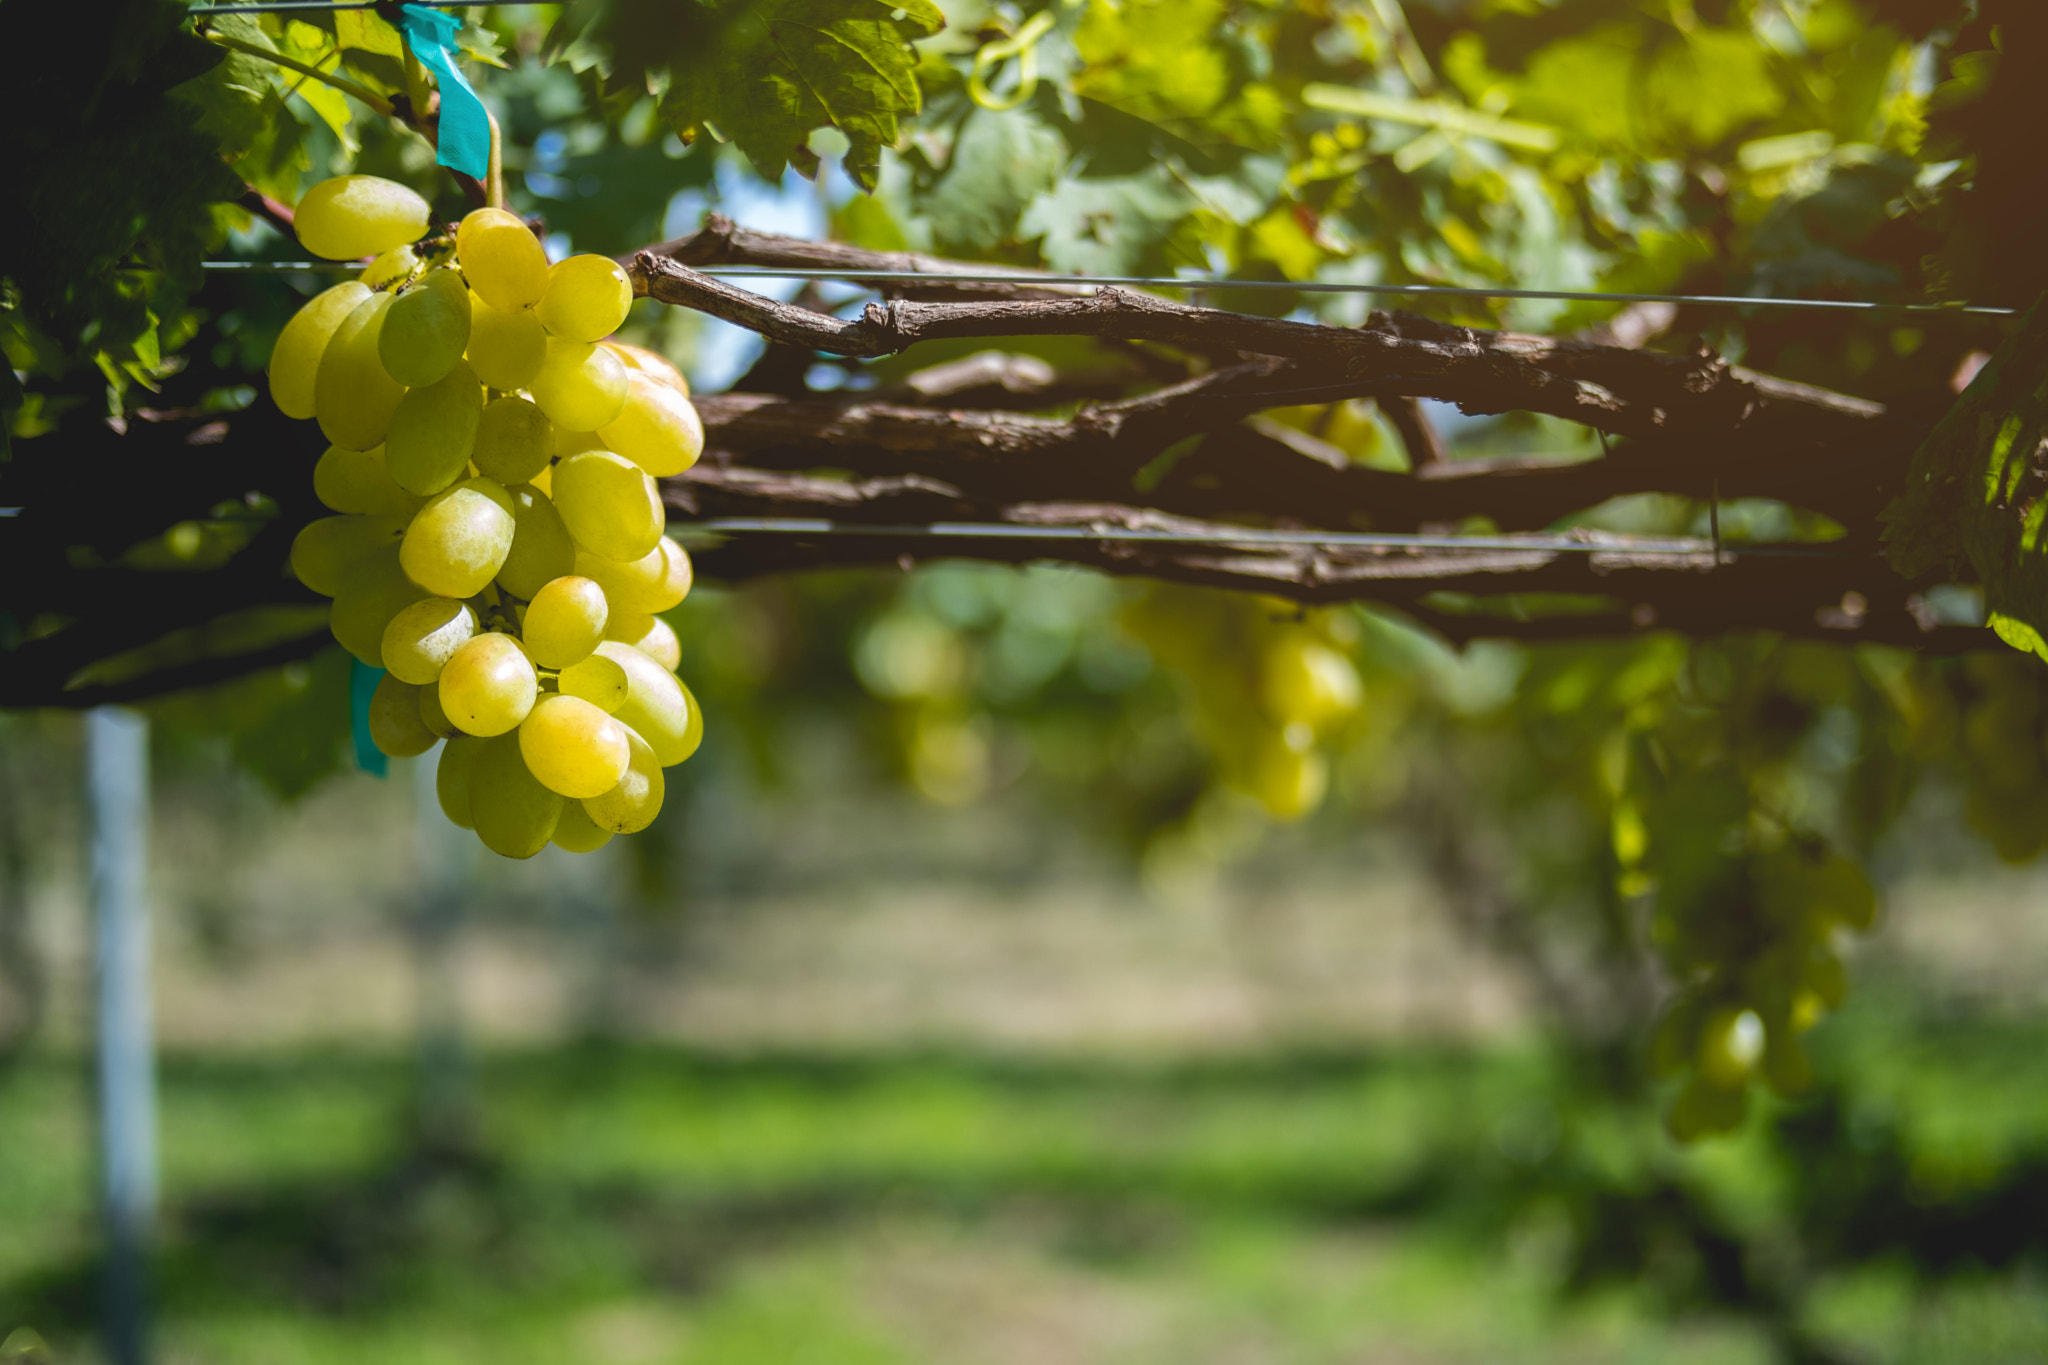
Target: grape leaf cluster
(499,547)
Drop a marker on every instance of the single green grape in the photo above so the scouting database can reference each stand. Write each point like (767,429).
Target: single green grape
(451,775)
(631,805)
(395,725)
(610,505)
(459,540)
(426,330)
(512,440)
(488,685)
(656,581)
(565,621)
(586,299)
(435,718)
(541,549)
(576,832)
(433,432)
(358,215)
(598,680)
(505,348)
(353,398)
(421,639)
(654,707)
(573,747)
(393,266)
(295,359)
(373,591)
(657,428)
(502,259)
(650,635)
(325,550)
(579,386)
(512,812)
(357,481)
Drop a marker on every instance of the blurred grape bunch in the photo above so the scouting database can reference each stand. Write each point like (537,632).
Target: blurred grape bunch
(1269,686)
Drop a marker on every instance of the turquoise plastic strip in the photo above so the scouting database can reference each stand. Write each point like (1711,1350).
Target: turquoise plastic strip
(465,133)
(362,685)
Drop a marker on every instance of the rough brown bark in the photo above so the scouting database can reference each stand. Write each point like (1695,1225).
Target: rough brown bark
(1167,430)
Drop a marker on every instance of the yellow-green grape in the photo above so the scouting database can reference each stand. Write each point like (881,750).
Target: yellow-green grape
(295,359)
(657,429)
(433,716)
(451,775)
(693,732)
(325,550)
(576,832)
(599,681)
(505,348)
(1703,1108)
(459,540)
(421,639)
(1731,1044)
(650,635)
(352,395)
(579,386)
(357,481)
(1786,1068)
(655,706)
(653,364)
(433,432)
(426,330)
(575,442)
(512,440)
(358,215)
(544,482)
(371,593)
(632,804)
(393,266)
(488,685)
(541,549)
(512,812)
(502,259)
(1288,777)
(610,505)
(395,725)
(587,298)
(565,621)
(573,747)
(1307,681)
(654,582)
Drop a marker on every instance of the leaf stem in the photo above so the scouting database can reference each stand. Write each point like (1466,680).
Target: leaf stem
(341,83)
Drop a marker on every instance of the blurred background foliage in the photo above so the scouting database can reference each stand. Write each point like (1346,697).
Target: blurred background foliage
(1671,846)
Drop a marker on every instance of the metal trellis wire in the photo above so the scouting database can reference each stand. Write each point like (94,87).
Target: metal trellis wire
(1684,547)
(1198,282)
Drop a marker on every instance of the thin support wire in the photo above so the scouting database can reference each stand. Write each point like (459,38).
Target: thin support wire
(1252,537)
(283,6)
(1198,284)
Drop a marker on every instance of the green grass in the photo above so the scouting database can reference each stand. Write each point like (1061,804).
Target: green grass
(638,1205)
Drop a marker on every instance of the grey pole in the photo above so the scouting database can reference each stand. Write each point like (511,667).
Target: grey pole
(117,792)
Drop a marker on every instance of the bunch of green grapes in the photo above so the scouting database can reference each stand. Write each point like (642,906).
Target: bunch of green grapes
(1761,959)
(1268,684)
(500,548)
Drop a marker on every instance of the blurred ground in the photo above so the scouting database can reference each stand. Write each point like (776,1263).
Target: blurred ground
(866,1081)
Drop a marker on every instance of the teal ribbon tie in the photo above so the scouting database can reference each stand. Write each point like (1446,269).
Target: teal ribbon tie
(465,133)
(362,685)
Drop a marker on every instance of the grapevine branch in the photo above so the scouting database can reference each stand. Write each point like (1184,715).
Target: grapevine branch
(1167,429)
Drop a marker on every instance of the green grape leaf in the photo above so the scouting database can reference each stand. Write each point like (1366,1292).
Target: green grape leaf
(1974,494)
(1000,162)
(765,74)
(364,31)
(1106,225)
